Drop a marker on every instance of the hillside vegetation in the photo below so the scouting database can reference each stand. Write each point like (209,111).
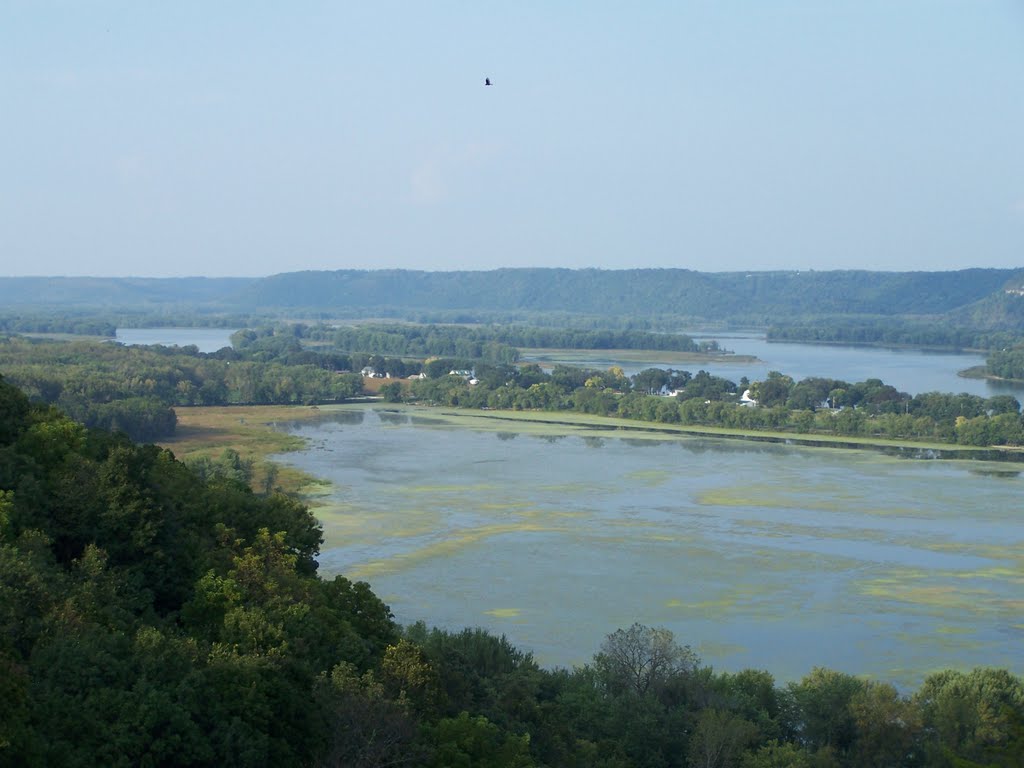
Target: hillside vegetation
(976,297)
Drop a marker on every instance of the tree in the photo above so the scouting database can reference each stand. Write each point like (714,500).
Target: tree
(772,391)
(977,715)
(650,380)
(887,727)
(365,729)
(392,393)
(642,660)
(719,739)
(475,742)
(776,755)
(823,708)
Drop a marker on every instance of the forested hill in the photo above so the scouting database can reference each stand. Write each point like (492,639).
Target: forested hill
(121,292)
(754,296)
(711,295)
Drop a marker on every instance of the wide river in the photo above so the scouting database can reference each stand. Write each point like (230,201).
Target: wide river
(757,555)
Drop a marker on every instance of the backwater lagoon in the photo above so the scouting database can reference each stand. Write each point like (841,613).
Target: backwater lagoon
(759,555)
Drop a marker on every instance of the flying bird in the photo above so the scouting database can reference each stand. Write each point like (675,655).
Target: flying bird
(487,81)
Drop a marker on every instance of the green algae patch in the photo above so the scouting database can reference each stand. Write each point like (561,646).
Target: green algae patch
(954,630)
(929,597)
(454,542)
(449,489)
(1012,575)
(720,649)
(503,613)
(720,604)
(650,477)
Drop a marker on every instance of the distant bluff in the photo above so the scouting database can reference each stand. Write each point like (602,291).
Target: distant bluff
(712,296)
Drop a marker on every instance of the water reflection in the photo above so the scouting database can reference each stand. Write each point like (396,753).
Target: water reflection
(393,418)
(986,472)
(353,418)
(552,439)
(637,442)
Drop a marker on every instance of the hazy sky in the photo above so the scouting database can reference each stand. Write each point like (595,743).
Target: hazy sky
(250,138)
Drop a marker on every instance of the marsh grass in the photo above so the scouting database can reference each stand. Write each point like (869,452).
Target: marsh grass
(253,432)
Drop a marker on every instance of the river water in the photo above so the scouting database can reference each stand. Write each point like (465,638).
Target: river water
(757,555)
(207,339)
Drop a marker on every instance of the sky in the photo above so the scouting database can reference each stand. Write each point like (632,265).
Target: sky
(254,138)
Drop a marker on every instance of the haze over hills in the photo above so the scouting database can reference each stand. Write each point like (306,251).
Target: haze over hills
(979,297)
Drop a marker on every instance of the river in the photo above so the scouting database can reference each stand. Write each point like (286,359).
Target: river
(758,555)
(207,339)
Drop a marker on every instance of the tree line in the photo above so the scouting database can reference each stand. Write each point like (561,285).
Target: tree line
(157,614)
(814,405)
(888,331)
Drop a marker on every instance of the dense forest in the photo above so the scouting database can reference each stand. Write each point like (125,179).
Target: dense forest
(150,615)
(890,332)
(494,343)
(134,389)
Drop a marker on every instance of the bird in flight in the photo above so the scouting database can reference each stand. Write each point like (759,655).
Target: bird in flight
(487,81)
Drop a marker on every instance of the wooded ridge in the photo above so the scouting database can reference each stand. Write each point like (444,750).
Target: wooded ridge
(974,295)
